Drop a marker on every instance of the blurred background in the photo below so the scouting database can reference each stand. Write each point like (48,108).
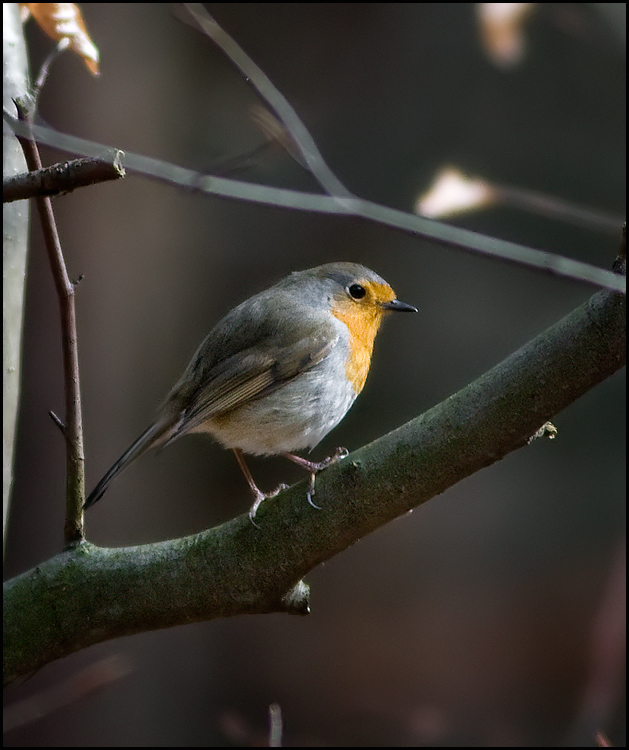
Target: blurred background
(470,621)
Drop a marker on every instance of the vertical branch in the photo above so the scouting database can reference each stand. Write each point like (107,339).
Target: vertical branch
(73,428)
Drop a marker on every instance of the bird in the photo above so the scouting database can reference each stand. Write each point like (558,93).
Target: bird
(277,372)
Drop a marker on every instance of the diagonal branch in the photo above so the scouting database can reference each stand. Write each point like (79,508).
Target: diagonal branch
(435,231)
(262,84)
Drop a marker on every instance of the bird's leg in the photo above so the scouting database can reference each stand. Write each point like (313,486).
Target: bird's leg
(257,492)
(314,467)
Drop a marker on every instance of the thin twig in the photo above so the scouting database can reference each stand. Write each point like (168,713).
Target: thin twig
(255,76)
(429,229)
(61,46)
(557,208)
(75,473)
(57,421)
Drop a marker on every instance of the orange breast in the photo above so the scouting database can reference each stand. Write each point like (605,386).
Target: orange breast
(362,323)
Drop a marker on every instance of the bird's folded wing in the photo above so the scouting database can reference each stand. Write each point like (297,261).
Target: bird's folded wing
(249,375)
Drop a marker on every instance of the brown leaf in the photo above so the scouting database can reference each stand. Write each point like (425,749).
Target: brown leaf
(63,21)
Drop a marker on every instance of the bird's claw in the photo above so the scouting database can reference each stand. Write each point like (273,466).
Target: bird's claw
(311,491)
(260,497)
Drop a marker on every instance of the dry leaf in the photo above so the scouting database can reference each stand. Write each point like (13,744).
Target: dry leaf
(63,21)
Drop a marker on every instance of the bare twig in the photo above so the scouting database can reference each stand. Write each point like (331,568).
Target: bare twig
(556,208)
(75,473)
(57,421)
(429,229)
(64,177)
(453,191)
(255,76)
(62,45)
(295,137)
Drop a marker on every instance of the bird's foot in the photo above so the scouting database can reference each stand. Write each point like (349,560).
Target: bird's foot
(314,467)
(260,497)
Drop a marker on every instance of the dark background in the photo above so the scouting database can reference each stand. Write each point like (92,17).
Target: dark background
(467,622)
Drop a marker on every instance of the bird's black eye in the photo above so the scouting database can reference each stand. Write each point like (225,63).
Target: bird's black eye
(356,291)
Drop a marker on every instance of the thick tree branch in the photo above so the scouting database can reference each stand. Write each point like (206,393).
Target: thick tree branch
(89,594)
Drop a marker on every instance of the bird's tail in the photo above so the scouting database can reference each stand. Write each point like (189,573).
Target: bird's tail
(156,435)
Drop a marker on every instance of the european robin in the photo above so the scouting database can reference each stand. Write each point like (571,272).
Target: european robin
(278,372)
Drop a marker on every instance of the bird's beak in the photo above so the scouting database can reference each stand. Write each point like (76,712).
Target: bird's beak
(395,304)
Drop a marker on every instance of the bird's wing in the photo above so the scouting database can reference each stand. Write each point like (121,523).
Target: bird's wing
(248,375)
